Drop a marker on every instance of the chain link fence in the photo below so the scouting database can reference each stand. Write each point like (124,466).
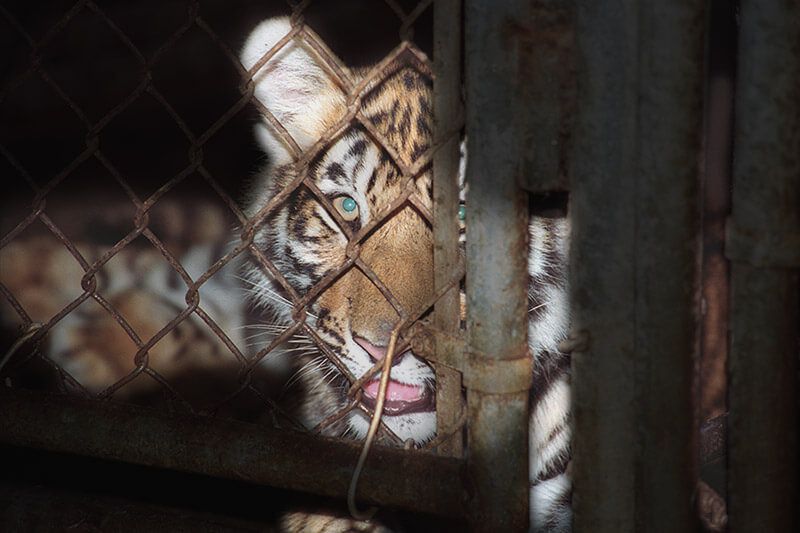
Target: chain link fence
(355,89)
(31,347)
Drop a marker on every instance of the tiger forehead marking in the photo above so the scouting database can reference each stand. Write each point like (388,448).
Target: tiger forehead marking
(356,165)
(400,109)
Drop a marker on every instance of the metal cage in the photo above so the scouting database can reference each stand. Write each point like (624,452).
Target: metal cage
(602,99)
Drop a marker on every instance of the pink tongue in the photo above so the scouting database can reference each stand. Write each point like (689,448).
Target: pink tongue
(395,391)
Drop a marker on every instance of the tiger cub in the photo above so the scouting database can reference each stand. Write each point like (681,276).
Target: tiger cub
(351,316)
(88,351)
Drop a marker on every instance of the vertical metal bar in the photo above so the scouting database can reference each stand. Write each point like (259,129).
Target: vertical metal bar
(447,114)
(671,66)
(498,370)
(548,71)
(602,209)
(763,243)
(635,222)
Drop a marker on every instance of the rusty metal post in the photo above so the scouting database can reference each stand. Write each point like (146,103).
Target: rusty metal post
(635,215)
(671,69)
(548,89)
(603,267)
(763,243)
(447,116)
(498,371)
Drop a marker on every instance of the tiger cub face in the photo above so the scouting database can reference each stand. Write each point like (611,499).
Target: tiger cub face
(306,243)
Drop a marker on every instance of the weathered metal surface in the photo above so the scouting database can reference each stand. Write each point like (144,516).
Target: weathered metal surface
(480,373)
(438,346)
(763,366)
(448,115)
(778,249)
(498,376)
(548,89)
(635,221)
(229,449)
(603,263)
(496,264)
(671,68)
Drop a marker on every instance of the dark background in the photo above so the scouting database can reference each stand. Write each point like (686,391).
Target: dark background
(95,70)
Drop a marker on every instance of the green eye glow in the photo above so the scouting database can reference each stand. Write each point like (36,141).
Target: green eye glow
(462,212)
(348,204)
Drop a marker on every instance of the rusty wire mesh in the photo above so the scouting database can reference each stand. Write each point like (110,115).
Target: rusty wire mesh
(354,87)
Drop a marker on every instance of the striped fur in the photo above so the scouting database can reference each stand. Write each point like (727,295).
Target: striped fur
(550,427)
(305,243)
(88,345)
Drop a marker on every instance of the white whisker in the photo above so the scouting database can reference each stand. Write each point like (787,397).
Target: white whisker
(311,365)
(261,289)
(277,327)
(543,304)
(297,349)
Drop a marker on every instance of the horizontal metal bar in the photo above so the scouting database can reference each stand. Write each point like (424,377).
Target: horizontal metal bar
(230,449)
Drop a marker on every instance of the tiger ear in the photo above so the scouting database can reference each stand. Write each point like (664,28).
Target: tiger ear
(293,87)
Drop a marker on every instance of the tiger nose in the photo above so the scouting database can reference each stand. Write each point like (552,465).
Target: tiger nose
(377,353)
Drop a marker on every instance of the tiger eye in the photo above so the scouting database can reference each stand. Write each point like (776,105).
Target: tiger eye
(347,207)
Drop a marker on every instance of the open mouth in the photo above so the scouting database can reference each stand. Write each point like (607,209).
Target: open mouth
(401,398)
